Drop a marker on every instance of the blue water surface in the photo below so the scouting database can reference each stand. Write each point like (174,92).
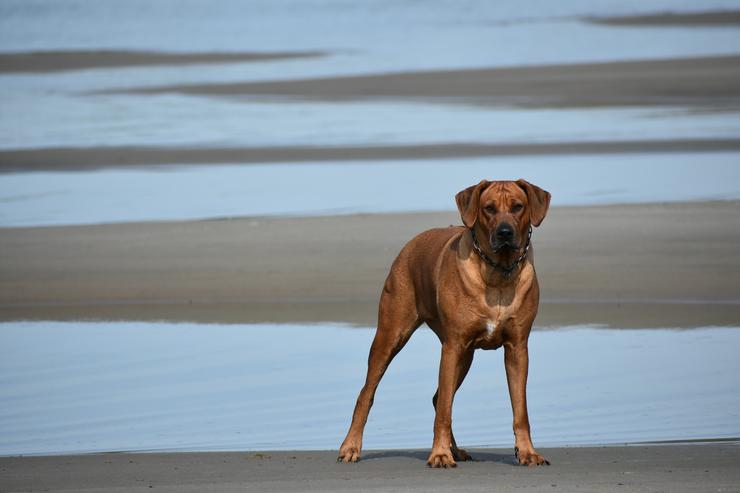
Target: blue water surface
(201,192)
(88,387)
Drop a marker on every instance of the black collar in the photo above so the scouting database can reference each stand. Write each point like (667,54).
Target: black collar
(506,271)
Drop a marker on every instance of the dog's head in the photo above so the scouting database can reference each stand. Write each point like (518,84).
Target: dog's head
(503,211)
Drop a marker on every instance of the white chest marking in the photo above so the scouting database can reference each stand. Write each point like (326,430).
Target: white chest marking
(490,327)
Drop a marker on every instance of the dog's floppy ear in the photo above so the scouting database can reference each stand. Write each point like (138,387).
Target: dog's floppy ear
(467,202)
(539,201)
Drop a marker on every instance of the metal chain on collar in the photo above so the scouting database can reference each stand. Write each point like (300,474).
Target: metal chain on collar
(506,271)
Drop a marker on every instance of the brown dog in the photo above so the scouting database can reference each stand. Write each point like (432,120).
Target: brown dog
(476,288)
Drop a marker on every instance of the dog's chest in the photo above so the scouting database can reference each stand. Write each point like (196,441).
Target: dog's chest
(499,311)
(488,313)
(494,321)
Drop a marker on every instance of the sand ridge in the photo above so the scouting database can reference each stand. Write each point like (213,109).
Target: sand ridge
(693,82)
(659,265)
(714,18)
(86,158)
(57,61)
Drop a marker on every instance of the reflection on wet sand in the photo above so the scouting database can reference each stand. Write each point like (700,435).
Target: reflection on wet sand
(679,314)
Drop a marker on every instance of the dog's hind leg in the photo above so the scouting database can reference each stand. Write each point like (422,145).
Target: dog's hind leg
(465,363)
(397,320)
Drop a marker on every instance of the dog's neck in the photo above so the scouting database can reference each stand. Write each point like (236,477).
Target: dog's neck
(507,262)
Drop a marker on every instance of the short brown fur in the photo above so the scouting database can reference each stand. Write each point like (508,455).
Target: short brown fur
(440,280)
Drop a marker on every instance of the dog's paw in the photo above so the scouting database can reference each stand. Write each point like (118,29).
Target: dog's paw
(530,458)
(441,458)
(348,453)
(461,455)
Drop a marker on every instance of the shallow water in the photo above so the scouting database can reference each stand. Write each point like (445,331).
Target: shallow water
(197,192)
(85,387)
(381,34)
(190,121)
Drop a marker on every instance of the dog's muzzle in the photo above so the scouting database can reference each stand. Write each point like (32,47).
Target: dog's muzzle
(504,237)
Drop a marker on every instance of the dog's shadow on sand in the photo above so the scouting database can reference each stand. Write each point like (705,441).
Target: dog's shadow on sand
(422,455)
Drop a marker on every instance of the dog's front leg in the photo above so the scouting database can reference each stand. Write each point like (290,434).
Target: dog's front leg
(450,368)
(516,359)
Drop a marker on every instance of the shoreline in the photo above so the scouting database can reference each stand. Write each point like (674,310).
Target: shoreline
(318,269)
(59,61)
(674,467)
(372,453)
(92,158)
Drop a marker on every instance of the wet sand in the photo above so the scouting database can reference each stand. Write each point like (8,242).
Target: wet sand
(679,467)
(695,82)
(651,265)
(85,158)
(55,61)
(717,18)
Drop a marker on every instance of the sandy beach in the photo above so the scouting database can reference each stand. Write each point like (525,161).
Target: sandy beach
(651,265)
(677,467)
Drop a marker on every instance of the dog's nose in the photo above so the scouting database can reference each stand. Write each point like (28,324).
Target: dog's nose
(504,232)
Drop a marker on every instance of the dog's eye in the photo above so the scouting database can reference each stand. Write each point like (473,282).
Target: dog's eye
(490,209)
(517,208)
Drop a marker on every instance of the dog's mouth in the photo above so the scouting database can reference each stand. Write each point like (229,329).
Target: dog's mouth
(504,246)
